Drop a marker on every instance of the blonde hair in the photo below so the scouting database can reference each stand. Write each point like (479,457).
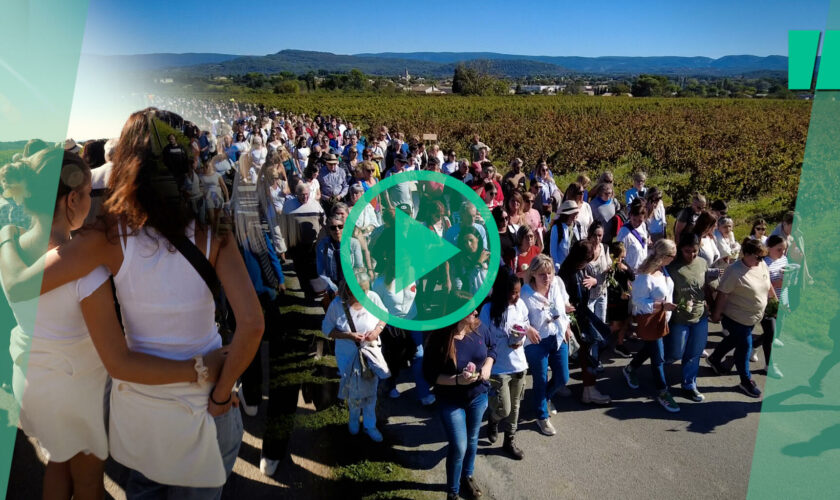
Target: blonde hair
(661,251)
(537,264)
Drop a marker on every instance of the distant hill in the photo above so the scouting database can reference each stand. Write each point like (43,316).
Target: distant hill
(442,64)
(726,65)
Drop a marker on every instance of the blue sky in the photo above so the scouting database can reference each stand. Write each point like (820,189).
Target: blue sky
(541,27)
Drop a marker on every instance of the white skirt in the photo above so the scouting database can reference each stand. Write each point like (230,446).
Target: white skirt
(165,433)
(61,391)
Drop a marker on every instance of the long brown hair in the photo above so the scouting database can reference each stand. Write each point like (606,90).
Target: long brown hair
(143,191)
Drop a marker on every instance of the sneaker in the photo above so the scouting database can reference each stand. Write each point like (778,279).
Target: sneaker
(694,395)
(599,368)
(545,427)
(492,430)
(428,400)
(630,377)
(268,466)
(552,410)
(394,393)
(774,372)
(667,401)
(777,342)
(750,389)
(563,392)
(715,366)
(754,357)
(591,395)
(374,434)
(250,410)
(511,448)
(704,354)
(623,351)
(470,487)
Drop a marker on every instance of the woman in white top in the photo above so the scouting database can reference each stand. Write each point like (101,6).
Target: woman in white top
(598,268)
(55,358)
(728,247)
(505,318)
(652,294)
(657,223)
(180,438)
(258,152)
(354,327)
(635,237)
(704,228)
(547,343)
(575,193)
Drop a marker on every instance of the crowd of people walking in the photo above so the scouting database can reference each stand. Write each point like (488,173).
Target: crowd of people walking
(178,229)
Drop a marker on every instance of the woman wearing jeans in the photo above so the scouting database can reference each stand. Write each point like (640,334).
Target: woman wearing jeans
(546,299)
(505,319)
(690,322)
(742,298)
(458,363)
(653,294)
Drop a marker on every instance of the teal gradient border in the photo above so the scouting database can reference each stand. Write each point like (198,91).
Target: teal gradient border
(797,448)
(39,58)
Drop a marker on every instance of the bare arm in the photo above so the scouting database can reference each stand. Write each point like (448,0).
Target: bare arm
(124,364)
(71,261)
(249,321)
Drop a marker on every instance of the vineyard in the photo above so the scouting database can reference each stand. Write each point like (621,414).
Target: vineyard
(739,150)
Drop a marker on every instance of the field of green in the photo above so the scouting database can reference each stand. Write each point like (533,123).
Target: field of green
(745,151)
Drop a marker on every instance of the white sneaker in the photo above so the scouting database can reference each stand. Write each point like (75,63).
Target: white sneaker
(268,466)
(551,408)
(754,357)
(394,394)
(428,400)
(778,343)
(546,427)
(774,372)
(374,434)
(704,354)
(250,410)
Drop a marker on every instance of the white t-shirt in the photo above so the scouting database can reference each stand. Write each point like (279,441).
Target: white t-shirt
(508,359)
(636,251)
(548,314)
(336,318)
(649,289)
(399,303)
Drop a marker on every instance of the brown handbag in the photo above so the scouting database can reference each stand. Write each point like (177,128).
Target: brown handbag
(652,326)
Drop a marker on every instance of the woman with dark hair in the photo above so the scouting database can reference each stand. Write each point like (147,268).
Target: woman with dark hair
(634,235)
(578,284)
(547,343)
(657,224)
(458,362)
(598,268)
(741,301)
(652,298)
(759,231)
(777,262)
(507,236)
(60,350)
(468,269)
(168,311)
(505,319)
(689,326)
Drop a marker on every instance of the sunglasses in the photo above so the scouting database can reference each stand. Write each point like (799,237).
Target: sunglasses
(336,227)
(761,229)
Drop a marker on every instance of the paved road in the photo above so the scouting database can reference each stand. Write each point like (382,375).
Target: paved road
(630,449)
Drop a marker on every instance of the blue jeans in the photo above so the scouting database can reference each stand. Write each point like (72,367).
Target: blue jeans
(740,338)
(420,384)
(653,349)
(461,424)
(229,435)
(540,357)
(598,305)
(686,342)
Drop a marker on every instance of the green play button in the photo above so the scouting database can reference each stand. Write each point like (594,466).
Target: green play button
(431,266)
(414,264)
